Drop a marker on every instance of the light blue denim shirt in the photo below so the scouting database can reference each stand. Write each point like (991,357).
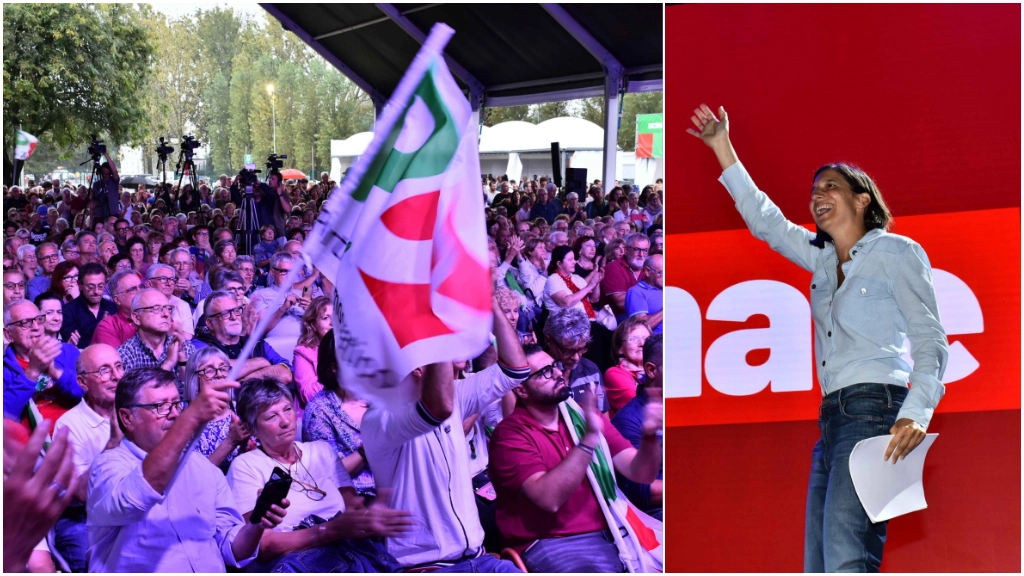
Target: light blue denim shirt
(859,330)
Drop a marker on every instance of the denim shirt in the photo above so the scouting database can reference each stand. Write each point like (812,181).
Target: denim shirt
(860,328)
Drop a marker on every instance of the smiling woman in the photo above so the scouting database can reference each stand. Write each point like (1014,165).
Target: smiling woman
(870,290)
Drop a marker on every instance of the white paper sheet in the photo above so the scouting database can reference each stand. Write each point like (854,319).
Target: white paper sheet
(888,490)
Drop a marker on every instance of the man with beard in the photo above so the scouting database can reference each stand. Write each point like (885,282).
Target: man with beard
(89,433)
(547,509)
(224,319)
(624,273)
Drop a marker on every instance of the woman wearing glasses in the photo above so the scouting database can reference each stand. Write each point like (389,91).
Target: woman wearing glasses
(328,528)
(622,380)
(870,290)
(64,282)
(224,437)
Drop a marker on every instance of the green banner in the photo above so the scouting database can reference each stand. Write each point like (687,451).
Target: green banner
(650,136)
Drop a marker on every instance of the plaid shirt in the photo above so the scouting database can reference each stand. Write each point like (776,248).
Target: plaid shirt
(135,354)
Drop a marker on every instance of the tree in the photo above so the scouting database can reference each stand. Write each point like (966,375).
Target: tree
(501,114)
(71,70)
(549,110)
(633,104)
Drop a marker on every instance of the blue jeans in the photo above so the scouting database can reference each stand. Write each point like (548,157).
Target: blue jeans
(71,538)
(484,564)
(588,552)
(839,536)
(362,555)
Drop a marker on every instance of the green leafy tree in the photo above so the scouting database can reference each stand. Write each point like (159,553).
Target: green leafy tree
(71,70)
(633,104)
(549,110)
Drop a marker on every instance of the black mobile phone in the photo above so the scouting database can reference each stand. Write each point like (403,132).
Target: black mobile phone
(275,490)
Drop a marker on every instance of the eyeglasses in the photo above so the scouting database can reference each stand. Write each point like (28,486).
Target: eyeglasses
(164,279)
(238,290)
(636,339)
(230,313)
(570,352)
(640,250)
(162,408)
(127,290)
(548,372)
(93,287)
(653,272)
(281,270)
(106,372)
(214,371)
(13,285)
(159,309)
(49,257)
(313,492)
(71,277)
(73,253)
(27,322)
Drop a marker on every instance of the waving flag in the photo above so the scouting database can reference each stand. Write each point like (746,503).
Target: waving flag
(25,145)
(408,239)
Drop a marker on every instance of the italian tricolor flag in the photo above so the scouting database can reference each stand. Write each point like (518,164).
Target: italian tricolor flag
(25,145)
(638,537)
(407,236)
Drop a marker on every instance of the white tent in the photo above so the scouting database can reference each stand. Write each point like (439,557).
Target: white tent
(515,143)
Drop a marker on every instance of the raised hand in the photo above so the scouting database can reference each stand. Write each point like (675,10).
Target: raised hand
(713,131)
(41,356)
(237,433)
(213,399)
(594,418)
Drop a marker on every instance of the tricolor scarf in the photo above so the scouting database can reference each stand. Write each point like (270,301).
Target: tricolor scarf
(638,537)
(574,289)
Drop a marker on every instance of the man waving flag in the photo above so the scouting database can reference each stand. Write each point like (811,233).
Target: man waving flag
(407,235)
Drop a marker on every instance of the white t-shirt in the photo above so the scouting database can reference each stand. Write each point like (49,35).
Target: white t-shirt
(319,465)
(555,284)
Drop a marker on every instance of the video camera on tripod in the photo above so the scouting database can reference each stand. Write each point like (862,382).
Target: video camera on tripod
(274,163)
(105,200)
(185,163)
(162,152)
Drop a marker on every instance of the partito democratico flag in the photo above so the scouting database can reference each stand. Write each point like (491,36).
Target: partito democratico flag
(25,145)
(408,238)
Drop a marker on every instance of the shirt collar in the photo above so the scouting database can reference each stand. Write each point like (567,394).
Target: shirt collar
(92,418)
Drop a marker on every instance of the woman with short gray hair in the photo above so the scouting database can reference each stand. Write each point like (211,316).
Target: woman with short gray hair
(320,489)
(224,437)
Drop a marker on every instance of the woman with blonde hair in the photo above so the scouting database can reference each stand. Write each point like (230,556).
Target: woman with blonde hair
(316,322)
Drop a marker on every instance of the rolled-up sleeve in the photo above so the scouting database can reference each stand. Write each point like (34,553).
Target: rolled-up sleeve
(914,291)
(229,522)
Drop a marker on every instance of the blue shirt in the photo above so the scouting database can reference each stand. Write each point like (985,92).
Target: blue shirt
(77,317)
(630,423)
(860,327)
(644,299)
(37,286)
(547,211)
(19,389)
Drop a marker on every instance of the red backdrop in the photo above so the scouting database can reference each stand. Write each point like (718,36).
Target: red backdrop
(926,98)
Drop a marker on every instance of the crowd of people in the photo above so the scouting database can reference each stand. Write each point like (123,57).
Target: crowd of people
(127,449)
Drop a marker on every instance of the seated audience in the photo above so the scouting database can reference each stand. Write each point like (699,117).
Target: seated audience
(152,505)
(646,299)
(156,341)
(116,329)
(316,322)
(84,313)
(622,380)
(224,320)
(547,508)
(224,436)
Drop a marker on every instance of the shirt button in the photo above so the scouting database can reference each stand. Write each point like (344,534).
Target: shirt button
(830,334)
(863,290)
(822,362)
(854,252)
(813,286)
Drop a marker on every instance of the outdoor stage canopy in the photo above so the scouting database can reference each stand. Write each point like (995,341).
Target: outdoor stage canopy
(501,54)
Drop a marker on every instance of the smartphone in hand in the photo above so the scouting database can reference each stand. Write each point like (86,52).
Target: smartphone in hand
(275,490)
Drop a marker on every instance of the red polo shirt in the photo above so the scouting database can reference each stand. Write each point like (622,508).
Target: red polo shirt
(114,330)
(618,277)
(519,448)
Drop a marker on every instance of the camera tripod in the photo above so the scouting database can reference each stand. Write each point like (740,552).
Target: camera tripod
(247,233)
(185,164)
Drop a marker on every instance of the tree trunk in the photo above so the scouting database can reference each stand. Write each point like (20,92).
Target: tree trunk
(10,176)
